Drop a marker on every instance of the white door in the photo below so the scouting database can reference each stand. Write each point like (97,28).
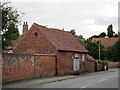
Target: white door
(76,65)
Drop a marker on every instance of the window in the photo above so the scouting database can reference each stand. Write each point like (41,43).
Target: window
(83,57)
(76,56)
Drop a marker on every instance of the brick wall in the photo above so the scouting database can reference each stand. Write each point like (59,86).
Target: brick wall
(90,66)
(113,64)
(45,66)
(65,63)
(17,67)
(31,43)
(22,66)
(83,65)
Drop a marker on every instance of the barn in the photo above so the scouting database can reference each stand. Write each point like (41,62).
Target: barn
(71,55)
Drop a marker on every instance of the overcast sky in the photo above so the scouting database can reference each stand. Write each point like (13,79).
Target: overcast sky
(87,17)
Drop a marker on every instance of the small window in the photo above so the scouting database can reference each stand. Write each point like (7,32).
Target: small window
(83,57)
(36,34)
(76,56)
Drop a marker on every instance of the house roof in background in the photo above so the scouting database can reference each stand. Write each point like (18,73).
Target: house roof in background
(106,42)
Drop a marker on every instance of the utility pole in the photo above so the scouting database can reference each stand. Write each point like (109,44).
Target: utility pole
(99,50)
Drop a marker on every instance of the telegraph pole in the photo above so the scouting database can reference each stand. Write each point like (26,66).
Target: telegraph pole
(99,50)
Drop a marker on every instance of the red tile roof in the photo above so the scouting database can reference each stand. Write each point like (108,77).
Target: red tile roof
(107,41)
(62,40)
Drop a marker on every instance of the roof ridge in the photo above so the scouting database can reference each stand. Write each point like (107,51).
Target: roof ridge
(55,37)
(106,38)
(49,28)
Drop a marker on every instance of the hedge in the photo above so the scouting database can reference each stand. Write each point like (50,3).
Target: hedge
(99,65)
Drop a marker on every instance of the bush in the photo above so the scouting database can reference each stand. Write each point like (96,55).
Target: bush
(99,65)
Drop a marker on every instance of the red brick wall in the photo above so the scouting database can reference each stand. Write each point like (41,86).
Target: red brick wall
(17,67)
(83,67)
(113,64)
(45,66)
(34,44)
(90,66)
(65,63)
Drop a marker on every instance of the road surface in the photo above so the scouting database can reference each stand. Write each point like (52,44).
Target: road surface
(100,80)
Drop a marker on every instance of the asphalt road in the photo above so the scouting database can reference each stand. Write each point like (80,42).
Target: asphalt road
(100,80)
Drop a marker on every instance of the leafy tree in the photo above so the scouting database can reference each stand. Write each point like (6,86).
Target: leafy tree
(113,52)
(93,48)
(118,33)
(10,21)
(73,32)
(94,36)
(110,31)
(79,37)
(102,35)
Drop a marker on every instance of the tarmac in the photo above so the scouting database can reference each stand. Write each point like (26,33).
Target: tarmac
(39,81)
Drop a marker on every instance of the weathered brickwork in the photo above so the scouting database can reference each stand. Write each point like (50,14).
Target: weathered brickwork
(21,66)
(34,42)
(90,66)
(17,67)
(113,64)
(65,63)
(45,66)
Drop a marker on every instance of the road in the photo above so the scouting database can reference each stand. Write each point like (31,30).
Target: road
(100,80)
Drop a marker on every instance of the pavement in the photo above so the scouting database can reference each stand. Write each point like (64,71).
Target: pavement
(69,81)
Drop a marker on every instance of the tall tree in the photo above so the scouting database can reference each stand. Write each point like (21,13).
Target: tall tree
(10,21)
(110,31)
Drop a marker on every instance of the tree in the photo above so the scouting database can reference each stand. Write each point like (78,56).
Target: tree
(102,35)
(118,33)
(110,31)
(79,37)
(93,48)
(113,52)
(94,36)
(10,21)
(73,32)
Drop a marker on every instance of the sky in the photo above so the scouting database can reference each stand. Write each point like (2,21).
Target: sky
(87,17)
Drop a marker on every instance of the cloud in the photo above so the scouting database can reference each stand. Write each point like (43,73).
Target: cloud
(87,17)
(102,20)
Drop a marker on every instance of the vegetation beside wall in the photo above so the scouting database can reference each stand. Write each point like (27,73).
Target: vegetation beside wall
(100,65)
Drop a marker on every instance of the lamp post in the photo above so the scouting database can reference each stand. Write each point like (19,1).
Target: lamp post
(99,50)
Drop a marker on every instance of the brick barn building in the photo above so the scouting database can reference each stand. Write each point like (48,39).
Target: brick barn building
(71,56)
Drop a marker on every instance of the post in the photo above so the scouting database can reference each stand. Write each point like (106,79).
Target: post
(99,50)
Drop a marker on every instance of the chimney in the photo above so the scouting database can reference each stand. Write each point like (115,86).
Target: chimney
(25,27)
